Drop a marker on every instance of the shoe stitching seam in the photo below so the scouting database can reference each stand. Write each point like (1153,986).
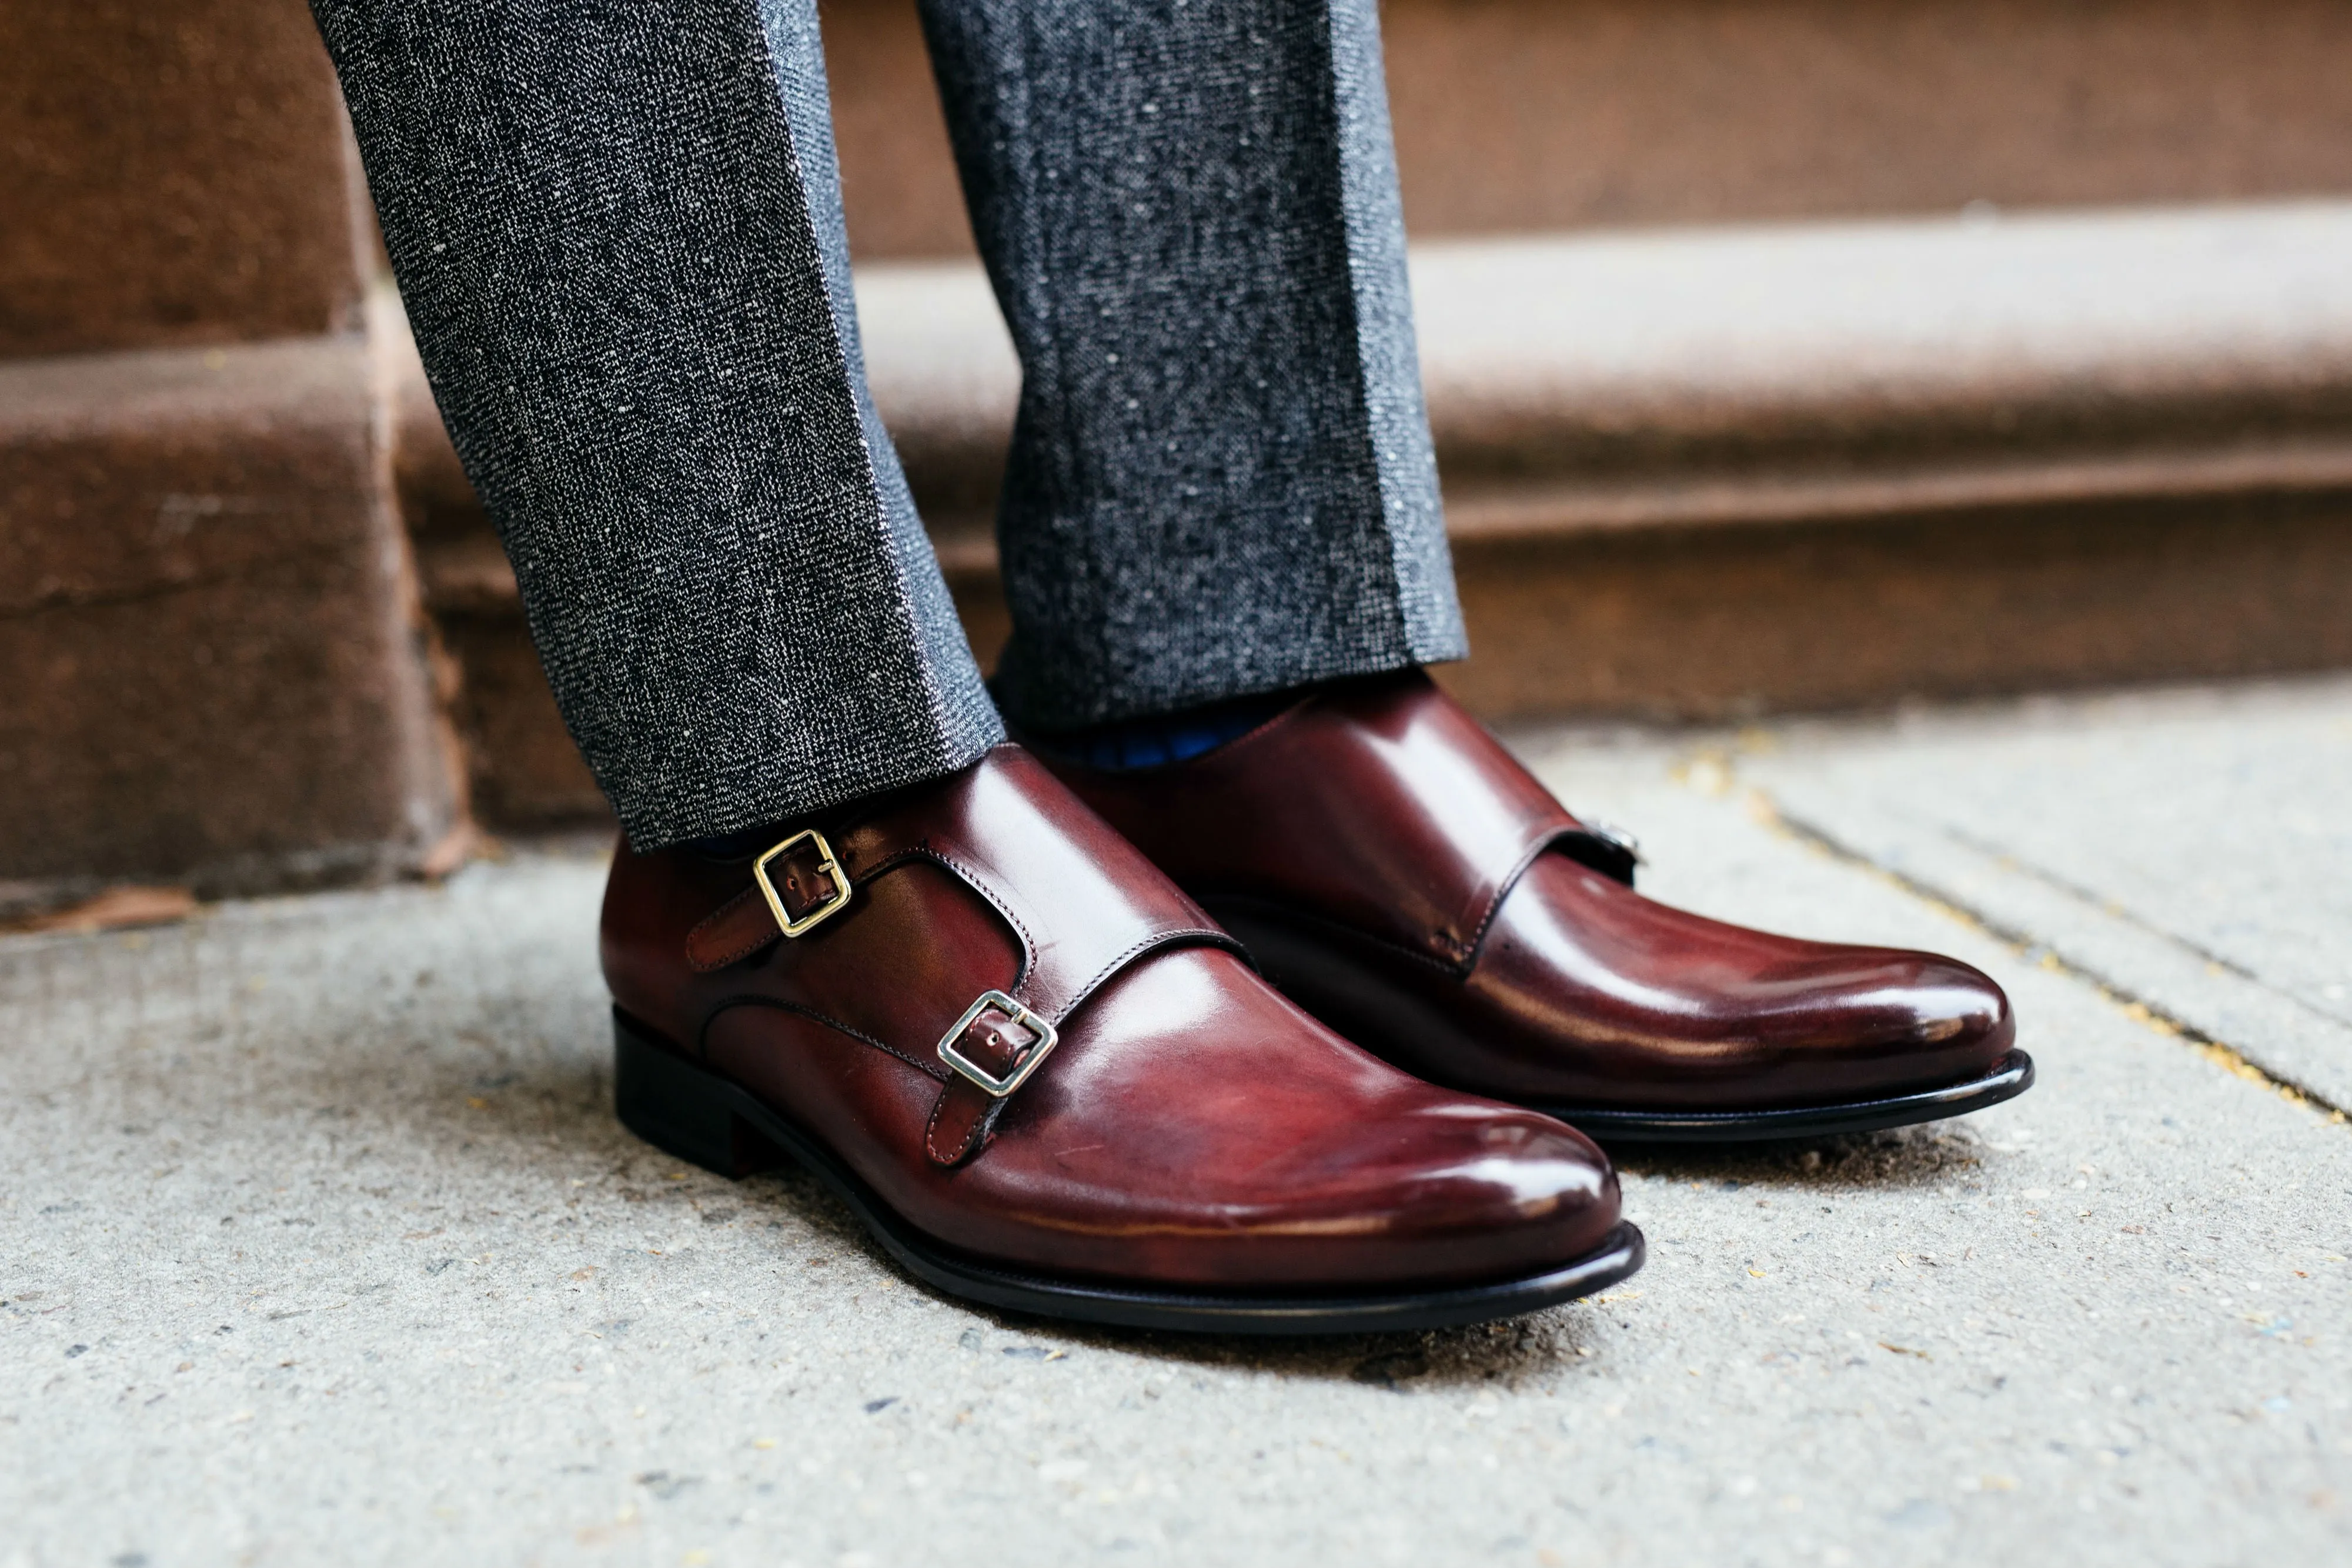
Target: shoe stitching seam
(971,1139)
(973,878)
(1157,940)
(939,1074)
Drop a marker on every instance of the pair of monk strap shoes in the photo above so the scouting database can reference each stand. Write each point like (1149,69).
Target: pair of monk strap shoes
(1313,1033)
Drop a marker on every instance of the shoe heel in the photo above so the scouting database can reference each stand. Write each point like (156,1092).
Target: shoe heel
(680,1109)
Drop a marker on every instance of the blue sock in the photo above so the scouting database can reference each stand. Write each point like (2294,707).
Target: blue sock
(1167,737)
(1111,748)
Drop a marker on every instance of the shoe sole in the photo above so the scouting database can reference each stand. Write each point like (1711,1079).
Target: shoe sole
(2010,1076)
(702,1117)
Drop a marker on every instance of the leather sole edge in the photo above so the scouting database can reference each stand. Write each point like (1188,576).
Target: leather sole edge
(2010,1076)
(702,1117)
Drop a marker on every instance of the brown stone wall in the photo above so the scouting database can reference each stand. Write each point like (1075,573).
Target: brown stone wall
(214,667)
(1718,622)
(170,172)
(899,178)
(1516,116)
(214,673)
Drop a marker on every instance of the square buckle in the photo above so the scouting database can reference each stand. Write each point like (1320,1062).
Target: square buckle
(1031,1055)
(827,865)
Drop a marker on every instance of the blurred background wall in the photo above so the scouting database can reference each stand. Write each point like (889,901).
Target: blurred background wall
(1782,354)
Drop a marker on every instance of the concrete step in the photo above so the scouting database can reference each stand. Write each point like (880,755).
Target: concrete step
(2061,431)
(1698,377)
(1707,473)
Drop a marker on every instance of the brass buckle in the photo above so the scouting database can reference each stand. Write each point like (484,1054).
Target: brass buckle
(1047,1038)
(825,863)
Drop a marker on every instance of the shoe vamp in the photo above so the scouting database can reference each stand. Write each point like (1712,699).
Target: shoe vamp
(1595,977)
(1187,1098)
(1194,1129)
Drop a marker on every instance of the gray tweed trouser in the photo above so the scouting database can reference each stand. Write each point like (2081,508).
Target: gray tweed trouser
(617,227)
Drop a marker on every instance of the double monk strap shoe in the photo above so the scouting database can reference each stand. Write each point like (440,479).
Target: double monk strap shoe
(1046,1080)
(1398,873)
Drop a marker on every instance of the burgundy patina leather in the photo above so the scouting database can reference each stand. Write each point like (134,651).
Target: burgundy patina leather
(1397,872)
(1191,1127)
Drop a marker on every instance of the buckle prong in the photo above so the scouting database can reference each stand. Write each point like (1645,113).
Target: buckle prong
(991,1084)
(825,863)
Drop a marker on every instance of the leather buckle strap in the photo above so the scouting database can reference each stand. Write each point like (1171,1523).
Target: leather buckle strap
(1006,1030)
(1597,846)
(1002,823)
(813,882)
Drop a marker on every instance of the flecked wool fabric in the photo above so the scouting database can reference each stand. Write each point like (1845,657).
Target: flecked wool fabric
(617,229)
(1221,481)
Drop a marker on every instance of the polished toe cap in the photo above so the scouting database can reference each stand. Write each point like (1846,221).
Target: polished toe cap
(1278,1153)
(1600,994)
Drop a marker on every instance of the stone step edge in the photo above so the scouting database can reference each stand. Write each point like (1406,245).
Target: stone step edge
(1734,377)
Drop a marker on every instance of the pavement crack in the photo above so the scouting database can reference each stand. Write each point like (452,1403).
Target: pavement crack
(2140,1009)
(2110,910)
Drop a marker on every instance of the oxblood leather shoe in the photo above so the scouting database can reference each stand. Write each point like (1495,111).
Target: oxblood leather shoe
(1400,875)
(1045,1081)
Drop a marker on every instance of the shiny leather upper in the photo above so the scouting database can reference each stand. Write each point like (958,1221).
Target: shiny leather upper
(1393,868)
(1190,1128)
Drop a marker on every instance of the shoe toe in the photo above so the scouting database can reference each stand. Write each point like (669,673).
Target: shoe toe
(1937,1013)
(1458,1187)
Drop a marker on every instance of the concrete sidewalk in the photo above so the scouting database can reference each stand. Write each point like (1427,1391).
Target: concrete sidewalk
(321,1244)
